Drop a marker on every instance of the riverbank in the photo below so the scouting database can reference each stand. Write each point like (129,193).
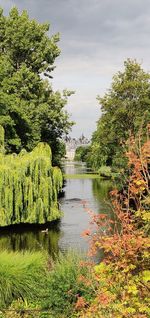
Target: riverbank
(82,176)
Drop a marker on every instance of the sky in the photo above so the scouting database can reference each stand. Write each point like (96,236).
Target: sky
(96,37)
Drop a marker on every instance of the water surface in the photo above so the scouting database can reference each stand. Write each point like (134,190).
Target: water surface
(78,195)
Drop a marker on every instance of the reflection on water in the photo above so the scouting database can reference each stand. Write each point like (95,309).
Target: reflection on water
(66,233)
(101,190)
(76,167)
(81,193)
(31,238)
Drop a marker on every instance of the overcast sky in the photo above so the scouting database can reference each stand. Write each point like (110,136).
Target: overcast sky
(96,37)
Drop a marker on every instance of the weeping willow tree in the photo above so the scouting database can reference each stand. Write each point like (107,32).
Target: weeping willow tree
(29,186)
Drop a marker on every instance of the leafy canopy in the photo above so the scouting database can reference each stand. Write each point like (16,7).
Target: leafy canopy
(30,111)
(125,107)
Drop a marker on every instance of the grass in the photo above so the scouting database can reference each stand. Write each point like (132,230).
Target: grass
(64,285)
(32,281)
(82,176)
(22,275)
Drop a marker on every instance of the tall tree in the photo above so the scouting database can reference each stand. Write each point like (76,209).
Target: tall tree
(30,111)
(125,108)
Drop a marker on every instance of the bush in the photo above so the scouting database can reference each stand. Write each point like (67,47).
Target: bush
(105,172)
(123,276)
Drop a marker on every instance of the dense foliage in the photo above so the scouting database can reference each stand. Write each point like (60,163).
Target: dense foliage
(28,187)
(30,111)
(125,108)
(81,153)
(123,276)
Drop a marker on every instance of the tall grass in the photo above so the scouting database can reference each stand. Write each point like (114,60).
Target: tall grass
(21,276)
(64,286)
(31,280)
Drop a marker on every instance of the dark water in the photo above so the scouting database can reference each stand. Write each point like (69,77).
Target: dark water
(78,195)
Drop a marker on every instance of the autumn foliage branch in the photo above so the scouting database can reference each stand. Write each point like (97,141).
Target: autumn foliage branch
(123,277)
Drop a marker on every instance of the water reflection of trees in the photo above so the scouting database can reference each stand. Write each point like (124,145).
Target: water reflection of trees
(31,240)
(101,189)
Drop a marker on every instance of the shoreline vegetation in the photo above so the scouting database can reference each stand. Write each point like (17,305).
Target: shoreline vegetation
(31,283)
(81,176)
(91,175)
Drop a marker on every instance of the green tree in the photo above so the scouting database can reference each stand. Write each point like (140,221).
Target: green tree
(81,153)
(125,108)
(30,111)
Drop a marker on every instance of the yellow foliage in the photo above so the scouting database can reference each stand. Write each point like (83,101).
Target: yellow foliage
(146,276)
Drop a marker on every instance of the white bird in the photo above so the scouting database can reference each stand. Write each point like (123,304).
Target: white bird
(45,231)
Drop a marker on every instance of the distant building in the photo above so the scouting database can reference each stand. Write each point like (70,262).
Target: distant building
(73,143)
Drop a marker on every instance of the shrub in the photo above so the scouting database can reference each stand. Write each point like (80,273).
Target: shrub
(105,172)
(123,276)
